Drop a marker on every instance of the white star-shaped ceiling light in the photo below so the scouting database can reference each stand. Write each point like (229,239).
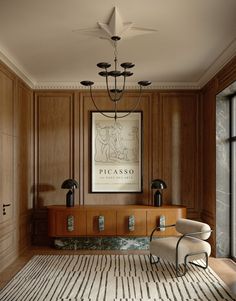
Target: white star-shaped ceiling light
(116,27)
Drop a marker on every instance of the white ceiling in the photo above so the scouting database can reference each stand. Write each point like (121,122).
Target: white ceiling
(44,40)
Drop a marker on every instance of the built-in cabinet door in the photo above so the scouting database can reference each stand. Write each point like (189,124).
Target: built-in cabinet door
(6,177)
(101,222)
(6,147)
(131,222)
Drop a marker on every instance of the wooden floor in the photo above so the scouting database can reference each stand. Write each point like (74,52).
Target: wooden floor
(224,267)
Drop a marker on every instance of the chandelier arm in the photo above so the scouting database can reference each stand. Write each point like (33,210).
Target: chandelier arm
(108,91)
(104,114)
(123,90)
(134,107)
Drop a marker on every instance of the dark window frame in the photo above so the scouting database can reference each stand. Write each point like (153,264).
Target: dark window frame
(232,140)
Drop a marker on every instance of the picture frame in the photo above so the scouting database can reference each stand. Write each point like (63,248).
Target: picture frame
(116,153)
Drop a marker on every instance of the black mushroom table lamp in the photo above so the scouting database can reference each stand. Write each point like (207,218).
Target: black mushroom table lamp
(159,185)
(70,184)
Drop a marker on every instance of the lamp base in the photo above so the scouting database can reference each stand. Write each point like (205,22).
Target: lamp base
(70,199)
(157,199)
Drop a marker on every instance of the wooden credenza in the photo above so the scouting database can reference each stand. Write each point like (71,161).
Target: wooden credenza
(110,220)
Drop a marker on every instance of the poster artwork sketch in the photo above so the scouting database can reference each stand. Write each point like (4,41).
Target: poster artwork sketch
(116,142)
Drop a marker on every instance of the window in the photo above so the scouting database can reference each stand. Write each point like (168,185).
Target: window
(233,176)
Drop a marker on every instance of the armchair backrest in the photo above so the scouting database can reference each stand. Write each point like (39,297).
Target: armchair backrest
(185,226)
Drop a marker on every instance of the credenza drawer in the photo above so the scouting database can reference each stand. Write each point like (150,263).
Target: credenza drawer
(101,222)
(131,222)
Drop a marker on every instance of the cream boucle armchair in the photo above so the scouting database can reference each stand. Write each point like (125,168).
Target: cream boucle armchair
(189,245)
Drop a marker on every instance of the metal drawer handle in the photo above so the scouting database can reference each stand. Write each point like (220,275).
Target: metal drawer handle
(101,223)
(70,223)
(162,222)
(131,223)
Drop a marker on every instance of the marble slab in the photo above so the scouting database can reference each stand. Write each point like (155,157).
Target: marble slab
(102,243)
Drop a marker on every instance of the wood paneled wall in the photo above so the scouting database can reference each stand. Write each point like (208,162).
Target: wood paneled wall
(178,140)
(170,147)
(16,168)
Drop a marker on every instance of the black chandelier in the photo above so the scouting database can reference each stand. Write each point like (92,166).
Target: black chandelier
(115,94)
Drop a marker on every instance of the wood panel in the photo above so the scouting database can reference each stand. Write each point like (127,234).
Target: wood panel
(226,76)
(157,140)
(23,148)
(24,232)
(181,158)
(8,249)
(209,149)
(6,182)
(6,100)
(23,161)
(54,146)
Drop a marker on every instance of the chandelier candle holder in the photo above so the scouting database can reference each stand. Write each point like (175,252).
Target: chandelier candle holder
(115,94)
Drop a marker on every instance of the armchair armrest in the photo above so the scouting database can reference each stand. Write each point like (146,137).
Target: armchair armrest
(160,227)
(196,233)
(191,234)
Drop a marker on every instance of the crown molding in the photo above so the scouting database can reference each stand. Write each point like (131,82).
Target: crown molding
(225,56)
(102,86)
(18,70)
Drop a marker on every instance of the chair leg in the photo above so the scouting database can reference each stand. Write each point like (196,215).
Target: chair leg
(199,265)
(152,260)
(177,269)
(193,263)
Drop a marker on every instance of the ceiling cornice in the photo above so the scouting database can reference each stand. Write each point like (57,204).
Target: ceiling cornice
(225,56)
(18,70)
(130,86)
(215,67)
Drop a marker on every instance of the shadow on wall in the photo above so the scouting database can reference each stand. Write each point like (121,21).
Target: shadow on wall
(38,202)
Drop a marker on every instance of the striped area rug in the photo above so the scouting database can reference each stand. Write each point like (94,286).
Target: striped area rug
(110,278)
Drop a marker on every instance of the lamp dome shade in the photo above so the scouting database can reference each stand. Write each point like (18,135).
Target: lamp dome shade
(69,184)
(158,184)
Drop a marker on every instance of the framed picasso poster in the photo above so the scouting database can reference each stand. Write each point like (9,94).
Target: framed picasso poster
(116,152)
